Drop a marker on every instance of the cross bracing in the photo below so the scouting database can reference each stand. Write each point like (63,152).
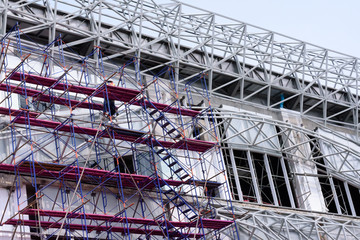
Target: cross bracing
(168,60)
(274,224)
(242,62)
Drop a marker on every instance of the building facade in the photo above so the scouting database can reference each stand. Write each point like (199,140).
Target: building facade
(159,120)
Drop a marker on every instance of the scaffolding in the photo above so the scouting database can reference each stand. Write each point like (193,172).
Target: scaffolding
(150,168)
(123,87)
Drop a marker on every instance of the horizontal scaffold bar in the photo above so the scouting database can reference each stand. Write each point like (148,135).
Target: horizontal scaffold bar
(40,96)
(113,92)
(90,228)
(53,171)
(206,222)
(108,132)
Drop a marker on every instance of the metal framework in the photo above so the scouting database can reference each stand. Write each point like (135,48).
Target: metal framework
(90,149)
(243,62)
(170,164)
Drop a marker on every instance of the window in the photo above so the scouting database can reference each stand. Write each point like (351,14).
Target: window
(125,164)
(258,177)
(144,164)
(282,182)
(339,196)
(355,195)
(196,134)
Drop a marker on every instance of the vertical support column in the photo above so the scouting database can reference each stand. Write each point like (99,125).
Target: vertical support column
(356,115)
(287,182)
(234,167)
(253,177)
(3,18)
(326,89)
(212,55)
(351,203)
(99,24)
(335,196)
(271,181)
(302,83)
(242,80)
(52,31)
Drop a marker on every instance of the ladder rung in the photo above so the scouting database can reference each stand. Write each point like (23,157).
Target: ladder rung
(166,157)
(160,151)
(153,112)
(171,131)
(193,217)
(165,124)
(179,170)
(180,204)
(185,176)
(186,211)
(159,118)
(172,164)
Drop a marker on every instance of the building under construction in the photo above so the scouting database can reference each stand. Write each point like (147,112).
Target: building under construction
(125,119)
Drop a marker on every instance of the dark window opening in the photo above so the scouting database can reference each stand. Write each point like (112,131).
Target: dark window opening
(241,178)
(262,178)
(124,164)
(328,194)
(30,192)
(323,178)
(342,196)
(245,178)
(291,180)
(227,159)
(279,175)
(338,185)
(212,192)
(230,173)
(355,196)
(196,134)
(221,128)
(279,181)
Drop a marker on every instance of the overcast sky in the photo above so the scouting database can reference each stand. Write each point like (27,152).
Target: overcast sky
(332,24)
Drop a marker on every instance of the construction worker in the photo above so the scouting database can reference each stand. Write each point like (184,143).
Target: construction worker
(109,104)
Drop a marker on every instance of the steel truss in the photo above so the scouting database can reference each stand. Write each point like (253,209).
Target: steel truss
(276,224)
(243,62)
(164,47)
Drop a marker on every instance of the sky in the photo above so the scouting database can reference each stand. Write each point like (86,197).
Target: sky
(331,24)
